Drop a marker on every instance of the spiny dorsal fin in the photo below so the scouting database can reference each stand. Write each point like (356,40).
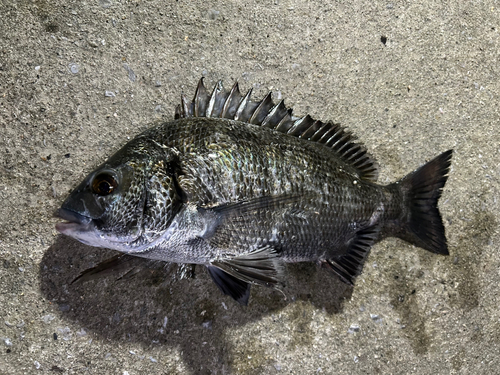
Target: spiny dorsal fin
(232,105)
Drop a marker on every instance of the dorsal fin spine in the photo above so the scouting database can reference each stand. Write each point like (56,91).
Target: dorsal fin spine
(262,110)
(242,105)
(200,100)
(267,120)
(185,106)
(213,99)
(233,98)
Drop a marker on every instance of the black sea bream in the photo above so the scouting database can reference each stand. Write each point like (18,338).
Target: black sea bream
(243,187)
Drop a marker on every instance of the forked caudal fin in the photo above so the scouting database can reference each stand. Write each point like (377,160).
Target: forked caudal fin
(421,190)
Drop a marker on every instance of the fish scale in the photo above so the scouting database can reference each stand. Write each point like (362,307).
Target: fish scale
(243,186)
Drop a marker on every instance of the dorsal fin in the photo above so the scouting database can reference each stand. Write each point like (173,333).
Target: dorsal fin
(233,105)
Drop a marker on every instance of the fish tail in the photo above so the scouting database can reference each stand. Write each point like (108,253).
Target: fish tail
(421,190)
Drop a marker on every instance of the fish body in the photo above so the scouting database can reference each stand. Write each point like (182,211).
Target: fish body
(243,187)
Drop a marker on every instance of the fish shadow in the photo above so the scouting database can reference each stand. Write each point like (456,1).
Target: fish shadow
(157,307)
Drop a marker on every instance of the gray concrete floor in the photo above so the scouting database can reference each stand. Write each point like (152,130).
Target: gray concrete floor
(411,79)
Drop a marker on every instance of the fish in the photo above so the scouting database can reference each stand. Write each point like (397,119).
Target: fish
(243,187)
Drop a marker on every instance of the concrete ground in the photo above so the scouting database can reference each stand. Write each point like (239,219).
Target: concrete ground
(411,79)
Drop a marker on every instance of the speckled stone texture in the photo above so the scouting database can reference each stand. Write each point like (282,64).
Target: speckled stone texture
(410,79)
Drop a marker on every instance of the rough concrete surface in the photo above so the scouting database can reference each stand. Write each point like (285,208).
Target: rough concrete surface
(411,79)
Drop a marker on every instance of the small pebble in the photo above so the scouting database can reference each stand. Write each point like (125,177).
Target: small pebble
(131,74)
(65,333)
(74,68)
(64,307)
(81,333)
(376,318)
(105,3)
(353,328)
(48,318)
(213,14)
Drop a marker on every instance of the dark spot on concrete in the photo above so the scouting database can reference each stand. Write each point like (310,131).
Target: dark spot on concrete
(318,286)
(155,278)
(472,241)
(383,39)
(51,28)
(405,301)
(300,316)
(116,318)
(304,272)
(57,369)
(458,360)
(477,333)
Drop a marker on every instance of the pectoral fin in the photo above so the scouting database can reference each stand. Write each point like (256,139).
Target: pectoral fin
(120,265)
(235,219)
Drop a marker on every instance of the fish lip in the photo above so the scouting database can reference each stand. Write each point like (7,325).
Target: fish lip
(74,220)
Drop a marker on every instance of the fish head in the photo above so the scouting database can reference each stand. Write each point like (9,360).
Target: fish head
(126,203)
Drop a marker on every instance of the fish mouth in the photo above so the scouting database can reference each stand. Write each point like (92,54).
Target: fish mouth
(74,221)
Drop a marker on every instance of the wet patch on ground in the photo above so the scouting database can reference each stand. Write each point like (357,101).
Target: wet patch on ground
(405,301)
(467,260)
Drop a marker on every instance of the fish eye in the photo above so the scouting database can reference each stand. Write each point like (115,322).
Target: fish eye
(104,184)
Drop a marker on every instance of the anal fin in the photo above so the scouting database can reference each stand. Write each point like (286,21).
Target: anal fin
(349,265)
(230,285)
